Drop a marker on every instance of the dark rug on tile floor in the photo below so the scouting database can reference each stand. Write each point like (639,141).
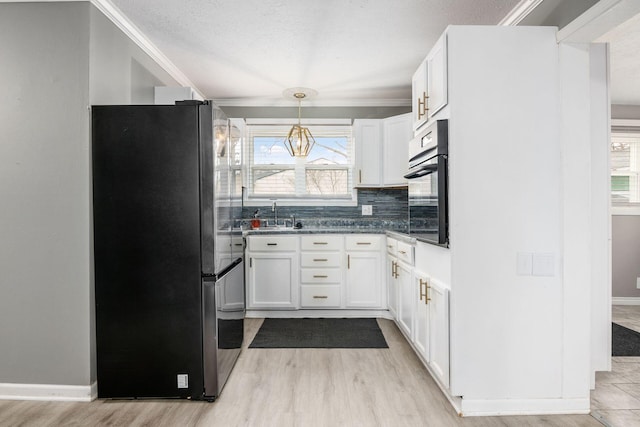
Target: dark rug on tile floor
(319,333)
(624,341)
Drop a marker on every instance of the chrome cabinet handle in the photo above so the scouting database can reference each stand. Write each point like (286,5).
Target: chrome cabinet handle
(320,276)
(320,260)
(320,297)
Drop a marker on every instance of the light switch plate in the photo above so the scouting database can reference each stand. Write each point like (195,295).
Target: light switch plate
(524,261)
(367,210)
(544,265)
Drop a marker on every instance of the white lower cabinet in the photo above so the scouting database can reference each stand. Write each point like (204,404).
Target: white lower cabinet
(431,334)
(421,300)
(406,298)
(392,287)
(321,271)
(439,331)
(272,272)
(364,284)
(315,271)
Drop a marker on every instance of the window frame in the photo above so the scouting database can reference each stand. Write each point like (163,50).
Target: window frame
(280,127)
(622,128)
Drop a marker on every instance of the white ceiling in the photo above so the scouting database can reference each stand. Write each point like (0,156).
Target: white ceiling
(362,52)
(624,48)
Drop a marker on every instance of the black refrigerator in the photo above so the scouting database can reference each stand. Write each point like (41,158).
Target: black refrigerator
(169,284)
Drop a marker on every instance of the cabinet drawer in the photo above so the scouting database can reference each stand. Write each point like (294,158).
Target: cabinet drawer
(405,252)
(363,242)
(321,275)
(320,243)
(320,296)
(320,259)
(273,243)
(392,246)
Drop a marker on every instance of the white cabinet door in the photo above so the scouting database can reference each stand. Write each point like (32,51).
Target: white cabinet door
(406,298)
(397,132)
(367,134)
(364,282)
(272,280)
(437,71)
(422,320)
(419,96)
(439,330)
(392,287)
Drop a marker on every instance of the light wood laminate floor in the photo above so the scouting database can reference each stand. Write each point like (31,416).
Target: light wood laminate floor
(616,398)
(294,387)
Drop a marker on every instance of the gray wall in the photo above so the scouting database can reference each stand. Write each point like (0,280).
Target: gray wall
(625,112)
(120,72)
(44,187)
(56,60)
(625,234)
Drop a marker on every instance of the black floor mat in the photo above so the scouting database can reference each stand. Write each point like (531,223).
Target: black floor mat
(624,341)
(319,333)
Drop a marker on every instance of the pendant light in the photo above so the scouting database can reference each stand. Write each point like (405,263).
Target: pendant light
(299,140)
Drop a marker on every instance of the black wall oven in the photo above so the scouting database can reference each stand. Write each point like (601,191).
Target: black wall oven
(428,184)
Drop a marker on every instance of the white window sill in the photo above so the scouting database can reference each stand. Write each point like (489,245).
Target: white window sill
(625,210)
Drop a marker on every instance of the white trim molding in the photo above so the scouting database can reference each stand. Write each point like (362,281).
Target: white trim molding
(519,12)
(49,392)
(315,102)
(121,21)
(126,26)
(598,20)
(489,407)
(625,300)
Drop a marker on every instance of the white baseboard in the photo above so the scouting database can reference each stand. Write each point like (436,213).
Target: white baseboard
(52,392)
(296,314)
(625,300)
(471,407)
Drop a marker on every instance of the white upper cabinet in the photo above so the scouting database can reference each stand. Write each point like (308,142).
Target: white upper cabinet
(395,149)
(437,73)
(419,96)
(368,143)
(382,150)
(429,84)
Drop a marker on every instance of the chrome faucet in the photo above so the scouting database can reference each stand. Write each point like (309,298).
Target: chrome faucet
(274,209)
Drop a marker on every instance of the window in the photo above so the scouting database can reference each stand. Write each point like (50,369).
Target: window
(625,168)
(326,174)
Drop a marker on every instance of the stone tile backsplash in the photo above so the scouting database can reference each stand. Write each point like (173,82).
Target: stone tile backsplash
(390,212)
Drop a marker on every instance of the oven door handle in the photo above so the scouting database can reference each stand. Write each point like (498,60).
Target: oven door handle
(424,170)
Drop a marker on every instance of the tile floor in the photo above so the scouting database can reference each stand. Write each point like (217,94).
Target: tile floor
(616,398)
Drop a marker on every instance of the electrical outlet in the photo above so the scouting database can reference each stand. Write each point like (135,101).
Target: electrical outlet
(367,210)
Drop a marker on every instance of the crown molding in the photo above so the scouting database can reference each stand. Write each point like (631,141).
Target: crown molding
(598,20)
(281,102)
(519,12)
(121,21)
(114,14)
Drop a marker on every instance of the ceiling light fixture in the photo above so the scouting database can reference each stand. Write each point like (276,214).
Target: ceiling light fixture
(299,140)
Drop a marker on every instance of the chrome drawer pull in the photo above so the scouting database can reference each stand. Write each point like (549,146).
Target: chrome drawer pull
(272,244)
(363,243)
(320,259)
(403,252)
(320,297)
(320,243)
(320,276)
